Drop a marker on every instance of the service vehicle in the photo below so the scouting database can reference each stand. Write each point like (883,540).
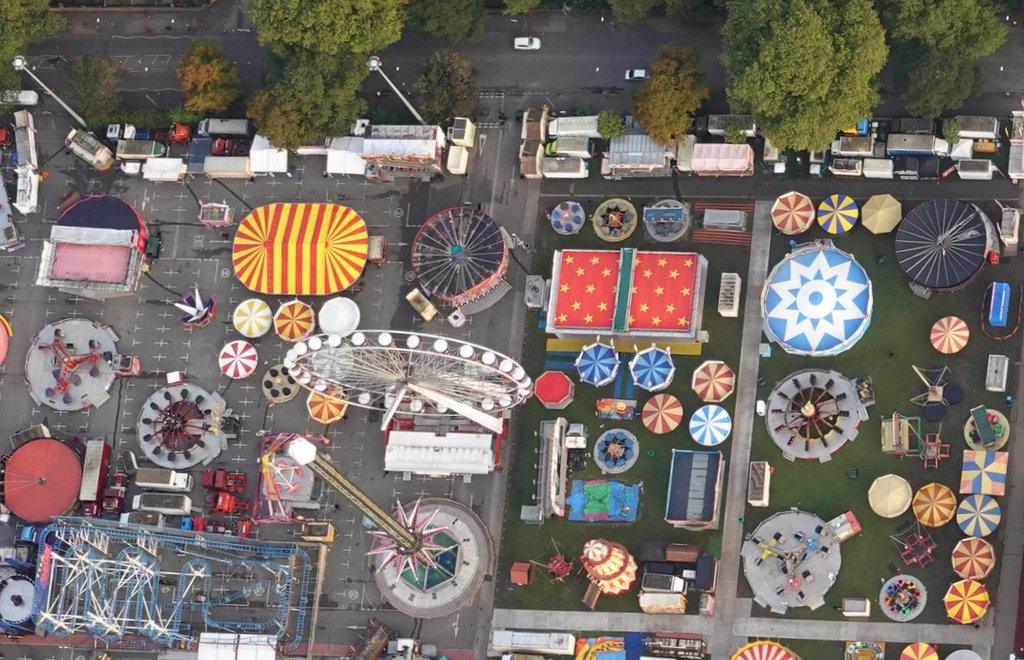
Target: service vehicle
(526,43)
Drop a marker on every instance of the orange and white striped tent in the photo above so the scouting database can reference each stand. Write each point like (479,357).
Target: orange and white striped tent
(300,249)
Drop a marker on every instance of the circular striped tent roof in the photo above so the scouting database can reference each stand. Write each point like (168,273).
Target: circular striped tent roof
(300,249)
(764,649)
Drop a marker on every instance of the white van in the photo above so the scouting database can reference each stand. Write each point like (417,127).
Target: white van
(15,97)
(223,127)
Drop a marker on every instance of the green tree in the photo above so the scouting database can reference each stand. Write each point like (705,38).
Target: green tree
(92,86)
(631,11)
(447,87)
(929,82)
(520,6)
(937,43)
(804,68)
(665,103)
(453,20)
(23,22)
(208,78)
(609,124)
(338,27)
(314,97)
(970,28)
(694,12)
(951,131)
(735,133)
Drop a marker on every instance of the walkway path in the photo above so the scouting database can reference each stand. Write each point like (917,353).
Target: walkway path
(722,639)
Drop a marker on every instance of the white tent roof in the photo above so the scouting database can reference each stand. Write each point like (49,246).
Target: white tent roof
(265,158)
(722,157)
(426,453)
(344,156)
(231,646)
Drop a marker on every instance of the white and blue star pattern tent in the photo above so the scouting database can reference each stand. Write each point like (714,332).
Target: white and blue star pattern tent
(816,301)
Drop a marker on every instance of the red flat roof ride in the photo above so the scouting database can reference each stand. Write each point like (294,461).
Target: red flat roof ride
(91,263)
(41,480)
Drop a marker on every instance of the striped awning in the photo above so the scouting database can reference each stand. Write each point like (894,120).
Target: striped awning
(300,249)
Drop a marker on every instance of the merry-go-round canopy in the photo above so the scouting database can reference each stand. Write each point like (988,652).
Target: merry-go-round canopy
(568,218)
(837,214)
(984,472)
(713,381)
(919,651)
(238,359)
(662,413)
(978,515)
(966,601)
(764,649)
(294,320)
(816,301)
(710,425)
(889,495)
(300,249)
(793,213)
(597,364)
(554,390)
(881,214)
(252,318)
(941,244)
(609,565)
(459,255)
(973,558)
(652,369)
(934,504)
(339,316)
(949,335)
(324,408)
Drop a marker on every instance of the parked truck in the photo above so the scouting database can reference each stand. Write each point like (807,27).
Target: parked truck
(139,149)
(165,503)
(85,145)
(163,479)
(223,127)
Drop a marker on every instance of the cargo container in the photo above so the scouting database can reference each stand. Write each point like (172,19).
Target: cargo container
(95,466)
(980,169)
(662,603)
(574,127)
(164,169)
(165,503)
(139,149)
(458,160)
(974,127)
(906,144)
(227,167)
(577,147)
(547,643)
(563,168)
(854,145)
(85,145)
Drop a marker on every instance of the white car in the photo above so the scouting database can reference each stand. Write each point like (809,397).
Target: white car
(16,97)
(635,75)
(526,43)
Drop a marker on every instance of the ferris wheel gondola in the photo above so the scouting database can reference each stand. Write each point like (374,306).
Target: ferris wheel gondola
(412,374)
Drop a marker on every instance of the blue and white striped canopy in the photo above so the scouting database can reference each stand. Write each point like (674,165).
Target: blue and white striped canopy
(597,364)
(652,369)
(710,425)
(817,301)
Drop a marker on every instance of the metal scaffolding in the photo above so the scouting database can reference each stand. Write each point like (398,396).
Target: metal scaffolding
(119,582)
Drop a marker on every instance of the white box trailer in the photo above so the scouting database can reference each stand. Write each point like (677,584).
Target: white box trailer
(878,168)
(575,146)
(344,156)
(977,128)
(574,127)
(163,479)
(27,196)
(912,144)
(563,168)
(846,167)
(227,167)
(25,139)
(458,160)
(976,169)
(165,503)
(662,603)
(164,169)
(85,145)
(854,145)
(548,643)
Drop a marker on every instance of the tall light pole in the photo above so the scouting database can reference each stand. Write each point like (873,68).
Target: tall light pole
(374,64)
(21,64)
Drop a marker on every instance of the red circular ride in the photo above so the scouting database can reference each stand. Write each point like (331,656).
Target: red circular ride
(41,480)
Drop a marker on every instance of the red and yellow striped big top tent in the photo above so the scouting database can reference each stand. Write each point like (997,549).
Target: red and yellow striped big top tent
(300,249)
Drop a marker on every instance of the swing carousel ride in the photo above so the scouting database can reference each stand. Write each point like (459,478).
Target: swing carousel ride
(812,413)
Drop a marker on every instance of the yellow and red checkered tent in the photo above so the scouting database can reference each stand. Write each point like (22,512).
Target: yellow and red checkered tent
(300,249)
(966,601)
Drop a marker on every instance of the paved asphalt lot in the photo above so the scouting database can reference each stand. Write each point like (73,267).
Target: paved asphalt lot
(192,254)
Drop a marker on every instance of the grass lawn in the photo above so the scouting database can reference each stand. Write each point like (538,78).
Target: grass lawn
(897,339)
(522,542)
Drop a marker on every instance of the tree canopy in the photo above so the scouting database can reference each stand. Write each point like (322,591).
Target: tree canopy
(520,6)
(631,11)
(447,87)
(665,103)
(314,97)
(610,125)
(208,78)
(23,22)
(327,26)
(804,68)
(92,86)
(936,43)
(453,20)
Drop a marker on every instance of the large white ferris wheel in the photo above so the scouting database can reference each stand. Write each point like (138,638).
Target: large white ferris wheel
(412,374)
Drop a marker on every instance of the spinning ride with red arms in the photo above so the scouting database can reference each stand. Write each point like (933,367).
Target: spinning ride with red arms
(68,363)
